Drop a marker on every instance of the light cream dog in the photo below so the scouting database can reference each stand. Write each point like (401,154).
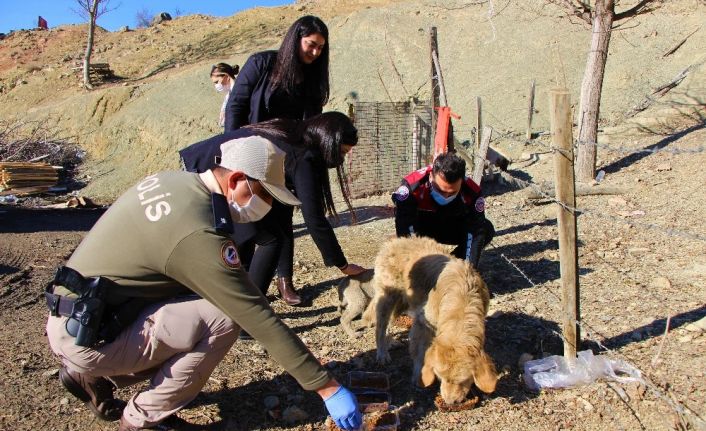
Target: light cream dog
(448,301)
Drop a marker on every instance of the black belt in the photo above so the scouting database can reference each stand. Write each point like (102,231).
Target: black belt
(59,305)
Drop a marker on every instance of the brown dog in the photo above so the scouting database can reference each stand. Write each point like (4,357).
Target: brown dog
(448,301)
(354,294)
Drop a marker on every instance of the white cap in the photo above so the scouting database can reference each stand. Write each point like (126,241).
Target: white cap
(260,159)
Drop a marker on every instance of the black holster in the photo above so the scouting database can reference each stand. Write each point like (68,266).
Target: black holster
(87,315)
(91,320)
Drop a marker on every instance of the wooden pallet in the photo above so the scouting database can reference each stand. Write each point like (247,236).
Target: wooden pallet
(98,70)
(27,178)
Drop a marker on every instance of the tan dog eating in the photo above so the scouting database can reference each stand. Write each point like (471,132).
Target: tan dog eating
(448,301)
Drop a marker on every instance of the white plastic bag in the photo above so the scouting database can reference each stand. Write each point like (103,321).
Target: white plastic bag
(556,372)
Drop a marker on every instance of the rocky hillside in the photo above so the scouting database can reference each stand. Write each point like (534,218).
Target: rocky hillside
(163,99)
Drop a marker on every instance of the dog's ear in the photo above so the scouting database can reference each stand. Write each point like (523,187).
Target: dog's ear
(484,373)
(427,376)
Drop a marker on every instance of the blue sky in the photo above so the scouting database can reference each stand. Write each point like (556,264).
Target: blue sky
(22,14)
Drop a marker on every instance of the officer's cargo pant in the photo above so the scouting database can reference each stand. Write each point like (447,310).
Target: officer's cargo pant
(175,344)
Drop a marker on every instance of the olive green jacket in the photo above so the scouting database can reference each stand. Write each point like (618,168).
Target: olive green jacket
(158,240)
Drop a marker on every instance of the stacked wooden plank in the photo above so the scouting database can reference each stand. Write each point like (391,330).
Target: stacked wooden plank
(96,70)
(26,177)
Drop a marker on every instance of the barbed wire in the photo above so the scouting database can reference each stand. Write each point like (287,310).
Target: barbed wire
(584,211)
(588,331)
(618,149)
(628,150)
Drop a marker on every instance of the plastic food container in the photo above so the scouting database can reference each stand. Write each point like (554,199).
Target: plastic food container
(368,380)
(372,401)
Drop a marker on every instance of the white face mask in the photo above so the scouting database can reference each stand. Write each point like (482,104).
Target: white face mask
(254,210)
(220,87)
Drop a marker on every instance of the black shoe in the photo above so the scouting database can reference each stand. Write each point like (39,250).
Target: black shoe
(172,423)
(95,392)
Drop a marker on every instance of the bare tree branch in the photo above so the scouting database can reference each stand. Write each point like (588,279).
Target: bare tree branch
(462,6)
(577,8)
(85,6)
(643,7)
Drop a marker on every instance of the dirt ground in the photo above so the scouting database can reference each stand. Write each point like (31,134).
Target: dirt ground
(641,260)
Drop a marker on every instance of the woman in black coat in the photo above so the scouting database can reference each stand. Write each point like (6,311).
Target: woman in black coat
(292,82)
(313,147)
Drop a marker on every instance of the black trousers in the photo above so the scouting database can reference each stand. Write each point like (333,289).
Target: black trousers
(458,233)
(267,246)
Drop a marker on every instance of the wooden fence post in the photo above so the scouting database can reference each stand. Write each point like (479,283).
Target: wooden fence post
(433,48)
(480,155)
(530,112)
(562,140)
(479,122)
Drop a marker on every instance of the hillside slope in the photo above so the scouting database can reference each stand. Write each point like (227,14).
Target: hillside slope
(379,50)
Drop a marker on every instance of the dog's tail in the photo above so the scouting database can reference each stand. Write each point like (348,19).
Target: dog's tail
(342,303)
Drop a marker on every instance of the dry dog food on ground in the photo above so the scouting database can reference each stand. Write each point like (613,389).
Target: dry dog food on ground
(380,421)
(372,401)
(376,421)
(403,321)
(468,404)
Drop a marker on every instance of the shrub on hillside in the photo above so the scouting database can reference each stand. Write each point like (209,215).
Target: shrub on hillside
(38,140)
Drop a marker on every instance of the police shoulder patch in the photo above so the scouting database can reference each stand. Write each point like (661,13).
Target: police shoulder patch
(480,204)
(402,193)
(229,255)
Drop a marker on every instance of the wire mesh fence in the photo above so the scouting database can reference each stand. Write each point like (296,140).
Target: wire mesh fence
(394,138)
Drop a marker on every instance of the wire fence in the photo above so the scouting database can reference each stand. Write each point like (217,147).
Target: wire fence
(592,334)
(662,392)
(394,138)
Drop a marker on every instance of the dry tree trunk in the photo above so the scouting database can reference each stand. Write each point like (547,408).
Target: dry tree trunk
(591,87)
(92,16)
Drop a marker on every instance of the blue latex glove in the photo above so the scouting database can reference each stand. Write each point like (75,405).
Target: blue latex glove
(343,408)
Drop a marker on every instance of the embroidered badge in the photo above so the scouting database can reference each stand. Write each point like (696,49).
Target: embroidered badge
(480,204)
(402,193)
(229,255)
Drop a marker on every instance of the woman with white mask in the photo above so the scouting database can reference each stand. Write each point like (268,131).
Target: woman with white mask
(223,79)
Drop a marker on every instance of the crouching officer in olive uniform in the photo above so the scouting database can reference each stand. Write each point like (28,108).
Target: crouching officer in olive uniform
(125,307)
(439,202)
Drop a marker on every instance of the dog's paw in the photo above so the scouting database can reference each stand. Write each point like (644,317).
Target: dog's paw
(354,334)
(395,344)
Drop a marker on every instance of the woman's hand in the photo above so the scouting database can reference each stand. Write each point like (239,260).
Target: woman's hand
(352,269)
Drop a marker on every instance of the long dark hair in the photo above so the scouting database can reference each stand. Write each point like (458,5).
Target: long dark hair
(289,72)
(324,134)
